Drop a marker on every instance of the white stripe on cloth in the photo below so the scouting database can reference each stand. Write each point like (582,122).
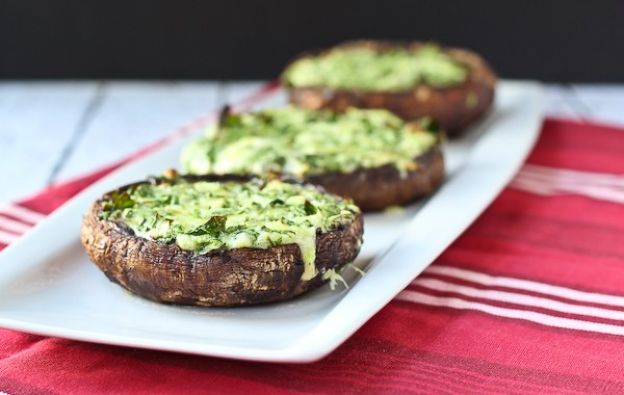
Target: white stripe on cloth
(574,176)
(7,238)
(549,181)
(539,318)
(527,285)
(13,226)
(519,299)
(21,213)
(550,189)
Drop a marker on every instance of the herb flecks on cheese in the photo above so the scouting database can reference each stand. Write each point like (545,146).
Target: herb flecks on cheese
(300,143)
(365,69)
(207,216)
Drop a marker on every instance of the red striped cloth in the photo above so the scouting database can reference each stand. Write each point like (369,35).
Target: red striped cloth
(529,299)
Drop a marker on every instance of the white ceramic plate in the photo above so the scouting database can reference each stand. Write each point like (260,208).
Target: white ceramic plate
(49,287)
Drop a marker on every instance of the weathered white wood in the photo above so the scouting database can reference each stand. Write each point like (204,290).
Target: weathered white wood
(235,91)
(558,102)
(37,122)
(135,114)
(604,103)
(239,91)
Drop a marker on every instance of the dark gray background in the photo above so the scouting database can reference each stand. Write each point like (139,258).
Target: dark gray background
(552,40)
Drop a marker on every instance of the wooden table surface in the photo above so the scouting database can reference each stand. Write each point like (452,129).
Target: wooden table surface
(52,131)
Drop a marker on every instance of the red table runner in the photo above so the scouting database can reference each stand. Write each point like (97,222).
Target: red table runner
(529,299)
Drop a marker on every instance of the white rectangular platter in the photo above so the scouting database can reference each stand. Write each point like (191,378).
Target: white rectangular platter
(48,285)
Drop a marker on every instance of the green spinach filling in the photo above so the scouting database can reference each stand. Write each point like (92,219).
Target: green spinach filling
(206,216)
(365,69)
(300,143)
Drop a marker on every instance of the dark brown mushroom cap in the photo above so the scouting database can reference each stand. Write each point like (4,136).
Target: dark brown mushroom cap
(377,188)
(163,272)
(455,107)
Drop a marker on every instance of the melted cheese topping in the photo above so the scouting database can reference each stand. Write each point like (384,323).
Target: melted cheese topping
(365,69)
(299,143)
(208,216)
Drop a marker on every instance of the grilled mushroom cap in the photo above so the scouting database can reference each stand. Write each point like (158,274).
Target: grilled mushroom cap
(377,188)
(372,187)
(164,272)
(455,107)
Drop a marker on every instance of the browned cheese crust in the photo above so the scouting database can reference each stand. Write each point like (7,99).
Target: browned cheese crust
(454,108)
(381,187)
(243,276)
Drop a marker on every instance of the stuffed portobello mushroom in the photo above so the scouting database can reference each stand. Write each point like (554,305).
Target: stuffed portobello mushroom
(370,156)
(451,85)
(221,241)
